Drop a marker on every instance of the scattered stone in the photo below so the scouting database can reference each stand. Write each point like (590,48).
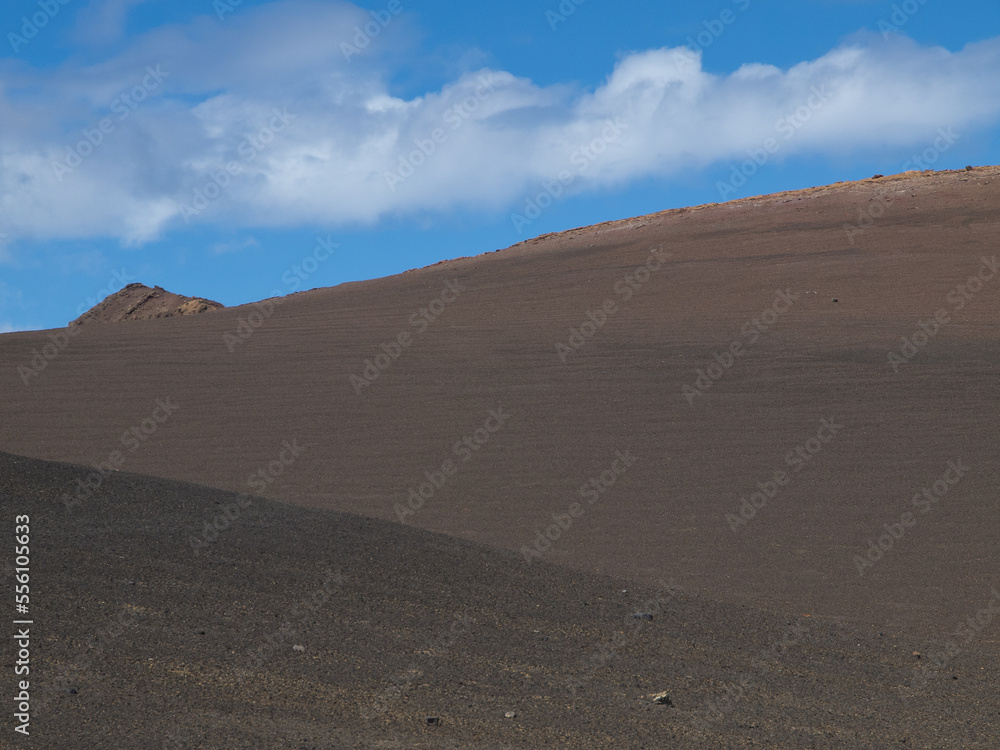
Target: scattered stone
(433,721)
(510,714)
(662,698)
(297,647)
(916,654)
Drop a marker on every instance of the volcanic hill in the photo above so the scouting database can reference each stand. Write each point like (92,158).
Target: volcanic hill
(139,302)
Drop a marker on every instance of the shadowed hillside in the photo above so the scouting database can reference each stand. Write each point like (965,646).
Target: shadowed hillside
(296,628)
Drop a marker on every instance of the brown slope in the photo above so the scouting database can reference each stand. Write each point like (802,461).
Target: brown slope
(139,302)
(495,346)
(142,641)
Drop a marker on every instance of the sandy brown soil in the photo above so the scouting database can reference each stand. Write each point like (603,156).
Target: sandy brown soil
(139,302)
(835,277)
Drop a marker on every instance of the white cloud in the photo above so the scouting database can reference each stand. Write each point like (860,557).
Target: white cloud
(346,129)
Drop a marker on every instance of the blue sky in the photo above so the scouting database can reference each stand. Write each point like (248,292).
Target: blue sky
(208,146)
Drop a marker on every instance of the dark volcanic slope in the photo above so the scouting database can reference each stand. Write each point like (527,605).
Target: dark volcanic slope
(246,379)
(143,641)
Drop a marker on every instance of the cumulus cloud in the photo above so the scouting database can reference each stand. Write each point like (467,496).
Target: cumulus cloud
(263,120)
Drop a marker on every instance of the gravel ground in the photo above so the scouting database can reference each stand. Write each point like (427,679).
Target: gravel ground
(316,629)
